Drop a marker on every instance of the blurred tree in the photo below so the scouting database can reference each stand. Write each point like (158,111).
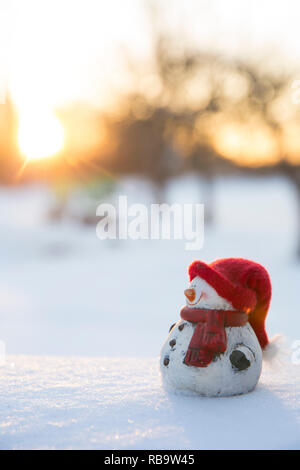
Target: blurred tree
(142,145)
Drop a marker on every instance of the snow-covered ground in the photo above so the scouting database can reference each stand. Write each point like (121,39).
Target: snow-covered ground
(63,292)
(117,403)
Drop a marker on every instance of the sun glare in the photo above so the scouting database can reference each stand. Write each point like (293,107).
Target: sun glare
(40,136)
(249,144)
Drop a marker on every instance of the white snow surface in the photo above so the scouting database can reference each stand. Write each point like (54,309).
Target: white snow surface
(119,403)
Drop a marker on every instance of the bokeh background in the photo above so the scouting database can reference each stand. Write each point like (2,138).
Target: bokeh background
(162,101)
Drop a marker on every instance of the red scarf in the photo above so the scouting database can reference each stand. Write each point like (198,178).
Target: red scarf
(209,336)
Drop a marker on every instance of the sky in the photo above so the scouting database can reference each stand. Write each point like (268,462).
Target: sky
(63,50)
(57,51)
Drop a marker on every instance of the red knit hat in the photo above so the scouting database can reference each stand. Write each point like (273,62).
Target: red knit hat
(242,282)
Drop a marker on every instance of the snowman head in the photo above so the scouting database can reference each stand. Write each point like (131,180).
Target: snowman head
(202,295)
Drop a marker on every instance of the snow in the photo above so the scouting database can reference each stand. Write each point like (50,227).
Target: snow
(118,403)
(65,293)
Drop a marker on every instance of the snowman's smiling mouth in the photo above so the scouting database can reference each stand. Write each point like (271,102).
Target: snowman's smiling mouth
(195,303)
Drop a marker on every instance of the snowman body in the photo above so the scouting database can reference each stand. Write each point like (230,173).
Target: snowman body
(233,372)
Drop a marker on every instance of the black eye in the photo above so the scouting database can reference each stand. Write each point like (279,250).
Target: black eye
(239,360)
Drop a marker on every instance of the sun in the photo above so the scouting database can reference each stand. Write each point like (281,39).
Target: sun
(40,135)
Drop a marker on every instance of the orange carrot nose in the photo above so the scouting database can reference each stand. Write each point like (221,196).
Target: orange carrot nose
(190,294)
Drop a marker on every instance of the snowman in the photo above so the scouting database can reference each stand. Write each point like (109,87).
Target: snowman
(216,347)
